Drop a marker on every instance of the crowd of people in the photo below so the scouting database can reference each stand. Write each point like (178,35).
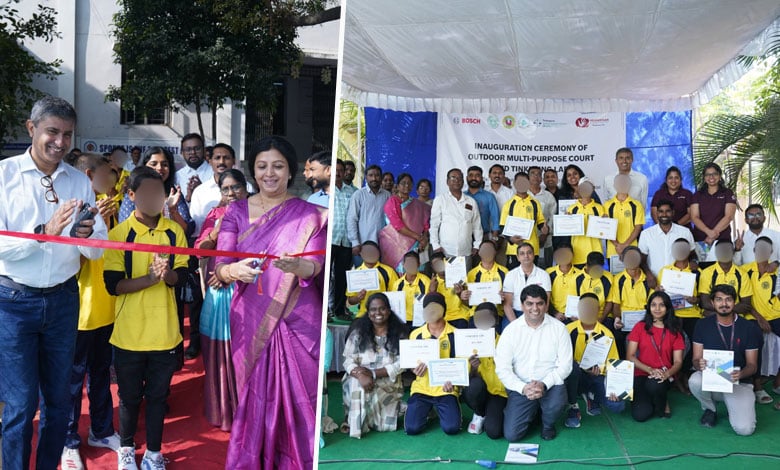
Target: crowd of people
(541,336)
(74,313)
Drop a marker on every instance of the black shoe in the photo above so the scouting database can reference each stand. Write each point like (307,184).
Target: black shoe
(709,419)
(191,352)
(548,434)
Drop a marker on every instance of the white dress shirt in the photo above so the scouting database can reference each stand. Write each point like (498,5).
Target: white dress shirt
(24,207)
(657,245)
(524,354)
(183,175)
(204,198)
(515,281)
(456,226)
(638,188)
(750,243)
(503,195)
(549,208)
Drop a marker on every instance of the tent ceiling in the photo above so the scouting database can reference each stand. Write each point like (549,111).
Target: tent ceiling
(549,56)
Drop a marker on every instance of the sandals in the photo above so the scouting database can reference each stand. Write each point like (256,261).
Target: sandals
(344,428)
(763,398)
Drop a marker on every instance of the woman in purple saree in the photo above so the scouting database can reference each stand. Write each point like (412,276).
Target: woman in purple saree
(276,315)
(408,222)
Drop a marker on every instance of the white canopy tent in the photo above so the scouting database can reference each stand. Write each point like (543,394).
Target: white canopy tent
(473,56)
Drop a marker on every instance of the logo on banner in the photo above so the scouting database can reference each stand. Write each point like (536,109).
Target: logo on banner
(90,146)
(508,121)
(466,120)
(582,122)
(456,120)
(523,122)
(493,121)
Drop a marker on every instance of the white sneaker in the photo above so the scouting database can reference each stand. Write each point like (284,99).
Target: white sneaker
(153,461)
(476,424)
(126,458)
(71,460)
(111,442)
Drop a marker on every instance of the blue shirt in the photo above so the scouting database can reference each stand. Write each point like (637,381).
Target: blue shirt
(339,217)
(366,215)
(321,198)
(488,209)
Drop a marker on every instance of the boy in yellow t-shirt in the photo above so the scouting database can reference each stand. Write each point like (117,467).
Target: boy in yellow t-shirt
(629,213)
(369,251)
(146,327)
(413,283)
(457,313)
(525,206)
(585,205)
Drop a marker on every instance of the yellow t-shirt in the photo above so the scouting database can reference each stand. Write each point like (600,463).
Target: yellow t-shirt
(145,320)
(526,208)
(601,287)
(487,370)
(562,285)
(387,279)
(629,214)
(629,294)
(580,340)
(735,277)
(580,244)
(764,300)
(412,289)
(446,350)
(496,273)
(96,308)
(687,312)
(456,309)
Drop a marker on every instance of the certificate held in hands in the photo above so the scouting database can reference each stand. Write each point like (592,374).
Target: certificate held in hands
(568,225)
(470,341)
(455,271)
(596,351)
(362,279)
(455,371)
(620,379)
(631,317)
(679,282)
(484,292)
(716,377)
(602,227)
(518,227)
(412,352)
(397,303)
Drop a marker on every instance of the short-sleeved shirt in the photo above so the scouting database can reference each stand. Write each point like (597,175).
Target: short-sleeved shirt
(456,309)
(747,337)
(629,213)
(96,308)
(582,245)
(419,285)
(422,384)
(693,311)
(666,341)
(765,290)
(712,208)
(580,339)
(487,370)
(631,295)
(527,208)
(387,279)
(496,273)
(657,245)
(680,200)
(735,277)
(146,320)
(601,287)
(562,286)
(516,281)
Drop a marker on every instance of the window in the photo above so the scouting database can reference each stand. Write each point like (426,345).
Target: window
(156,115)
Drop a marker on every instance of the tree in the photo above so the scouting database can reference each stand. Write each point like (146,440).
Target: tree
(206,52)
(747,145)
(19,67)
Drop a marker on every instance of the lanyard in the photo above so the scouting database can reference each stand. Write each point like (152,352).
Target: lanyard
(658,349)
(729,346)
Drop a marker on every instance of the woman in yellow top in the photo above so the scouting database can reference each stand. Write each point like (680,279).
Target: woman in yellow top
(587,206)
(485,394)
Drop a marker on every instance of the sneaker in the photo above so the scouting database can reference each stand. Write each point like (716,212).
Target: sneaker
(476,424)
(153,461)
(573,418)
(709,419)
(71,460)
(592,407)
(126,458)
(550,433)
(763,398)
(110,442)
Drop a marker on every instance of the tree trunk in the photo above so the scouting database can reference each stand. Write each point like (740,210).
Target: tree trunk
(214,121)
(200,118)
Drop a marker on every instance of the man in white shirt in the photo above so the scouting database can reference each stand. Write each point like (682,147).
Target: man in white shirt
(456,227)
(208,195)
(517,279)
(533,358)
(197,169)
(624,158)
(39,294)
(746,241)
(497,188)
(656,242)
(549,208)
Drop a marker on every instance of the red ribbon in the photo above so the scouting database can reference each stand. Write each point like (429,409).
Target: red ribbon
(145,247)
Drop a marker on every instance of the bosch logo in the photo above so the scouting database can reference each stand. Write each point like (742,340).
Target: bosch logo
(470,120)
(582,122)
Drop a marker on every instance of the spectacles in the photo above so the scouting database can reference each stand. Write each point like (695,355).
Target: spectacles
(191,149)
(232,188)
(48,185)
(754,216)
(710,175)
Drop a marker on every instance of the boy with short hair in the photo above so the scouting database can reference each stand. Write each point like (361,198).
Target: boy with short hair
(412,283)
(588,207)
(146,330)
(369,252)
(629,213)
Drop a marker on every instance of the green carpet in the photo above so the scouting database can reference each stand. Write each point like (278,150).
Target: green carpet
(607,435)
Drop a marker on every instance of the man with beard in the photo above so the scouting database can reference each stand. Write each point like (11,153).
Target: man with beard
(497,188)
(135,156)
(488,206)
(551,182)
(656,242)
(366,212)
(349,175)
(208,195)
(725,331)
(319,178)
(746,241)
(197,169)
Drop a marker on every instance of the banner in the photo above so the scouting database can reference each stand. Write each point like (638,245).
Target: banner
(519,141)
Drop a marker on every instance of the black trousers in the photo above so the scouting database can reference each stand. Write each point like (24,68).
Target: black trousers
(491,407)
(649,398)
(340,263)
(143,375)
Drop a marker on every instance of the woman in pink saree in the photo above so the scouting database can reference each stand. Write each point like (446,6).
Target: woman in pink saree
(408,222)
(276,314)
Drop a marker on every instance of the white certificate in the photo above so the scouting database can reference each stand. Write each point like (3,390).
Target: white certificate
(679,282)
(470,341)
(572,306)
(568,225)
(412,352)
(596,351)
(455,271)
(564,204)
(631,318)
(360,279)
(397,303)
(620,379)
(455,371)
(417,316)
(615,265)
(602,227)
(522,453)
(518,227)
(716,377)
(484,292)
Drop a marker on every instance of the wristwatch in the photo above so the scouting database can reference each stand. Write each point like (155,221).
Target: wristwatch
(40,230)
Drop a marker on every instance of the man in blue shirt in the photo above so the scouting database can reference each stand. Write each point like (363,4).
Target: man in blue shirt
(319,178)
(488,207)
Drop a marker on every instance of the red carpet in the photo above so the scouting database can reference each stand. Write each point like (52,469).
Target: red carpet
(189,441)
